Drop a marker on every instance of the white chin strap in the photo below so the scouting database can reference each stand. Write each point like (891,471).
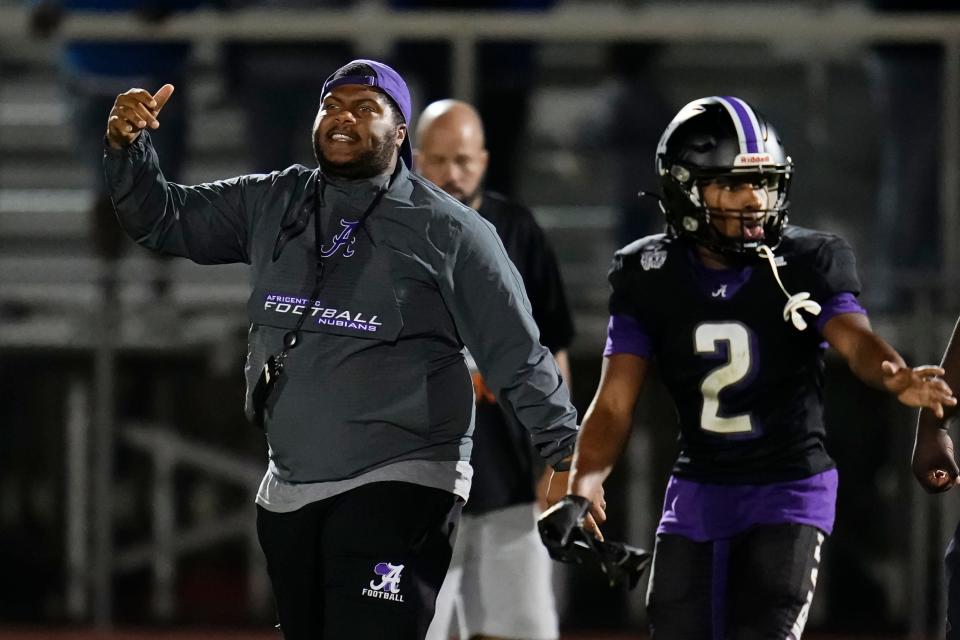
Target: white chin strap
(795,303)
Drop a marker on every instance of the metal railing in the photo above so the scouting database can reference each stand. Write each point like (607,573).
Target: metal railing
(813,35)
(89,571)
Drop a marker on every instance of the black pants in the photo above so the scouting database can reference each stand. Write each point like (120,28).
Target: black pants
(952,561)
(365,564)
(756,585)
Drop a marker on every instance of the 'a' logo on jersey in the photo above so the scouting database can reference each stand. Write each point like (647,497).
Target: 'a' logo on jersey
(389,586)
(721,292)
(343,240)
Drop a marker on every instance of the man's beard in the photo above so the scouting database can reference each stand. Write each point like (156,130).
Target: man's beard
(372,162)
(469,198)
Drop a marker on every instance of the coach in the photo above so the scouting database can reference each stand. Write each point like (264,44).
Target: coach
(367,282)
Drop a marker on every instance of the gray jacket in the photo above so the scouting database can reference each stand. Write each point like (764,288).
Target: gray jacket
(379,377)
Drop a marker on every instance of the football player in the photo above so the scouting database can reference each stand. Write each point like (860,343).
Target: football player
(736,308)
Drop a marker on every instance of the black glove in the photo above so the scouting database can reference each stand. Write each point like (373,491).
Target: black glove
(561,530)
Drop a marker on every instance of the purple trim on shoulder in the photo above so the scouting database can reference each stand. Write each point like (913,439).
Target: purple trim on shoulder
(702,511)
(626,335)
(844,302)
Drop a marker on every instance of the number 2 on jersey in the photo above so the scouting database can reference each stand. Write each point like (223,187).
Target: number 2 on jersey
(707,338)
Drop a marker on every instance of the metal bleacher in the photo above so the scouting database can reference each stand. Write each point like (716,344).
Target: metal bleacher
(49,276)
(52,284)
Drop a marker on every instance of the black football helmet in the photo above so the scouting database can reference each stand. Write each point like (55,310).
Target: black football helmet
(722,139)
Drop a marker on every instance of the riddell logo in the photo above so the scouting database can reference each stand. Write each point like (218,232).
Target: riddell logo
(750,159)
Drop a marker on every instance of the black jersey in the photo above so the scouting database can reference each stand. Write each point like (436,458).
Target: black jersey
(533,255)
(747,384)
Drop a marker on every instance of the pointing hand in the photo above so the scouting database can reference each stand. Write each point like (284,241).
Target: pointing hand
(133,111)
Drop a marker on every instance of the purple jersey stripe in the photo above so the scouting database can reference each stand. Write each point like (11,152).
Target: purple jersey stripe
(626,335)
(841,303)
(702,511)
(748,127)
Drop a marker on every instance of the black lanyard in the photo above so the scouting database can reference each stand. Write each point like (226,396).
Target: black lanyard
(292,338)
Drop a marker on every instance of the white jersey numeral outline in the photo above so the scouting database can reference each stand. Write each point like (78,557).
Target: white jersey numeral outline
(707,340)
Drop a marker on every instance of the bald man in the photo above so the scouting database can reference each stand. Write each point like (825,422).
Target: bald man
(500,573)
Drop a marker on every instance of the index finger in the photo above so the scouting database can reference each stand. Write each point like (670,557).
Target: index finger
(941,385)
(930,370)
(598,512)
(161,96)
(591,526)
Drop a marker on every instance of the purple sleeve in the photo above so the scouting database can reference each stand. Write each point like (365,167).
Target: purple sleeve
(841,303)
(626,335)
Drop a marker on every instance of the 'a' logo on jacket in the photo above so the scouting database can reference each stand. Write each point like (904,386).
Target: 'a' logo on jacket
(343,240)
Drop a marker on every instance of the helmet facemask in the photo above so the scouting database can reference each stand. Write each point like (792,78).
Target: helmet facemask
(723,140)
(689,215)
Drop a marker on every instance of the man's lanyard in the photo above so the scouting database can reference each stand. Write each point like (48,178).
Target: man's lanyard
(292,338)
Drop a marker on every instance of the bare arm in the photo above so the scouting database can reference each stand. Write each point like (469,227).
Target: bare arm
(605,429)
(851,335)
(563,363)
(552,485)
(879,365)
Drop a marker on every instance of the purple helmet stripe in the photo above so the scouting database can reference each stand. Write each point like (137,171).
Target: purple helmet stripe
(745,121)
